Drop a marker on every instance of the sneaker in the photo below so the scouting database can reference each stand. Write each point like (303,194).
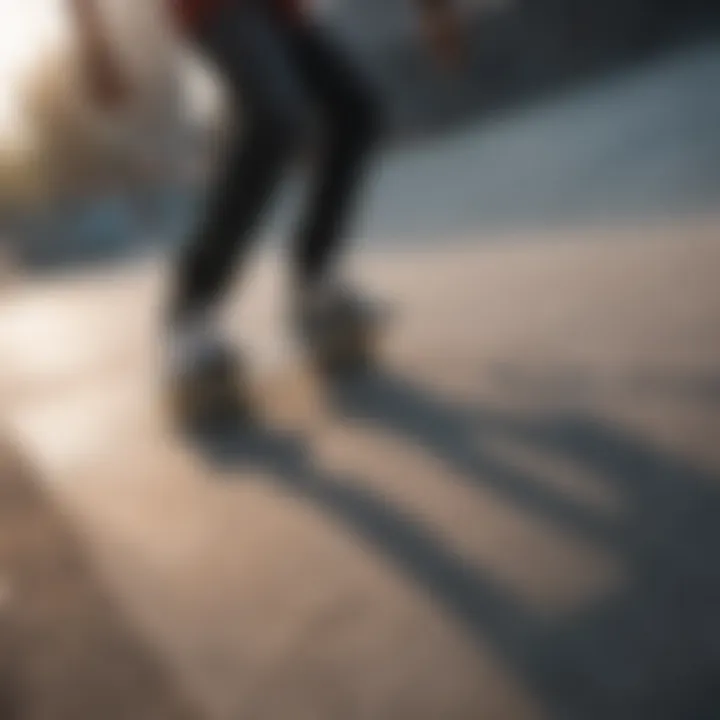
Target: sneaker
(201,368)
(191,342)
(336,325)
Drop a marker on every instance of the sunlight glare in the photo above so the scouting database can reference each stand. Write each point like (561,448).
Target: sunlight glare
(27,28)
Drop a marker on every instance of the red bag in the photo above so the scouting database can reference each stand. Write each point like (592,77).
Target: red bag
(191,14)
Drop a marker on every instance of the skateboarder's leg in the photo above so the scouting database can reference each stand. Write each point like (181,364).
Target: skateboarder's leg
(253,59)
(335,324)
(350,115)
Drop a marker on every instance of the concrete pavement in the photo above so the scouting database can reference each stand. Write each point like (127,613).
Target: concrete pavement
(515,518)
(66,651)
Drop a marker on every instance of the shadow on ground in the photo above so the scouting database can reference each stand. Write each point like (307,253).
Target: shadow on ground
(648,651)
(575,384)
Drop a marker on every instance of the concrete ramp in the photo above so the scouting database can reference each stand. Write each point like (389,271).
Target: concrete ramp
(66,650)
(515,517)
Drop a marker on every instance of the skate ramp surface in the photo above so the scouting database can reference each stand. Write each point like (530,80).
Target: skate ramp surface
(514,517)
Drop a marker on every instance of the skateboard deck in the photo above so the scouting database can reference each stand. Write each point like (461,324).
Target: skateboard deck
(235,390)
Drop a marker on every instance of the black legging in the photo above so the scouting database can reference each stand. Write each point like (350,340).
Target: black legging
(283,79)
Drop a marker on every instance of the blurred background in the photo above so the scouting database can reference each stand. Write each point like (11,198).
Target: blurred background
(527,142)
(517,517)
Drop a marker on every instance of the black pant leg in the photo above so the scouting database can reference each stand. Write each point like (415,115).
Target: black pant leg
(350,114)
(255,61)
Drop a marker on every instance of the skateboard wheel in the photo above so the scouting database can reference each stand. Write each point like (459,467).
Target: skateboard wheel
(347,352)
(212,393)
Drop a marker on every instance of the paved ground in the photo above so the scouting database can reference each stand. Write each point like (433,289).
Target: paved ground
(66,651)
(516,518)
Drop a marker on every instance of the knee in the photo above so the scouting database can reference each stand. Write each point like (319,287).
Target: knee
(373,114)
(283,132)
(360,123)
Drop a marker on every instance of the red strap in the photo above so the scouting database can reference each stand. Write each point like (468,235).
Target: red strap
(192,13)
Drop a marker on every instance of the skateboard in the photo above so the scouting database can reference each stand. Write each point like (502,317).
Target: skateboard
(223,390)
